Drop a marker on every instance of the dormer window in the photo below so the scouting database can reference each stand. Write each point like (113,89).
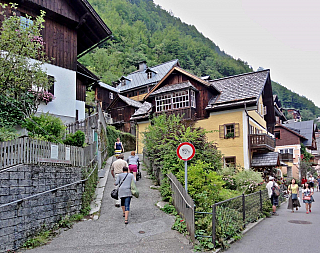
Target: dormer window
(123,82)
(175,100)
(149,75)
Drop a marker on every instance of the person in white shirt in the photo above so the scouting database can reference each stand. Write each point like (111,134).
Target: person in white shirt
(311,181)
(273,198)
(307,197)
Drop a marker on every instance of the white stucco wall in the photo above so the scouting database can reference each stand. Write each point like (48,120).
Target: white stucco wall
(64,105)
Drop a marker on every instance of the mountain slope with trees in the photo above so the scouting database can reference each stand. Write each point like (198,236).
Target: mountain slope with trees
(142,30)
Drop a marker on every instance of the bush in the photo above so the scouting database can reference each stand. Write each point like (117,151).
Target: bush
(76,139)
(45,127)
(7,134)
(247,181)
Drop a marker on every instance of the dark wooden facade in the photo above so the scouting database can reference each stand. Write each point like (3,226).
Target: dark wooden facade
(203,94)
(285,136)
(104,96)
(70,28)
(121,113)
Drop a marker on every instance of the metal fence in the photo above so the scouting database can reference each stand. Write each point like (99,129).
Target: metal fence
(31,151)
(183,203)
(229,217)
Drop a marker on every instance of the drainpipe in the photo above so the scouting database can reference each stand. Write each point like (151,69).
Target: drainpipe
(245,109)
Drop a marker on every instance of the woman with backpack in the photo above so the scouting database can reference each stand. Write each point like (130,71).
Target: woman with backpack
(293,202)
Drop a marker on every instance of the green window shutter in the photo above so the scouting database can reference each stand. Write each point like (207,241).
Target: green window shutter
(221,131)
(236,130)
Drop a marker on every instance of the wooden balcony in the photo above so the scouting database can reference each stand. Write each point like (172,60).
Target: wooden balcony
(187,113)
(286,157)
(262,142)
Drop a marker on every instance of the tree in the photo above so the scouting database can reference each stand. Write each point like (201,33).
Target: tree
(22,77)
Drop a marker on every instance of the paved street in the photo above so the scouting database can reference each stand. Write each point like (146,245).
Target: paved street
(279,234)
(149,229)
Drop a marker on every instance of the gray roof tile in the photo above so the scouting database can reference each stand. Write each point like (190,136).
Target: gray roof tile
(173,87)
(265,159)
(142,111)
(304,128)
(139,78)
(239,88)
(130,101)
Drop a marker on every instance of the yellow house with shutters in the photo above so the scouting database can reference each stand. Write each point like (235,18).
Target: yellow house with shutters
(239,111)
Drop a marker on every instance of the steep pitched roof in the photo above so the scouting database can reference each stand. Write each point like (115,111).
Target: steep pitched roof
(305,128)
(292,130)
(270,159)
(140,78)
(130,101)
(178,69)
(173,87)
(240,89)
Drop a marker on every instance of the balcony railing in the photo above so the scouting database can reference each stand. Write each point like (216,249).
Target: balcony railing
(188,113)
(262,142)
(286,157)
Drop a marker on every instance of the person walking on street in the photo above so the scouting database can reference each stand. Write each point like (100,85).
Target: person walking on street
(303,181)
(293,202)
(307,197)
(117,168)
(311,181)
(271,185)
(118,147)
(133,161)
(125,191)
(318,179)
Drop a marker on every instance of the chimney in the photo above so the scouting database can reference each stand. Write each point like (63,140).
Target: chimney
(142,65)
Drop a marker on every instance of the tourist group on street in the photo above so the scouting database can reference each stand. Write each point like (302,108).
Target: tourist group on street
(125,176)
(307,189)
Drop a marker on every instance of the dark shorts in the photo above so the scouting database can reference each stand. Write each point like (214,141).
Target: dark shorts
(126,203)
(274,200)
(133,168)
(311,184)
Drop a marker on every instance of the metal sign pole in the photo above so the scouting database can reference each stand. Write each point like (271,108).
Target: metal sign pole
(186,175)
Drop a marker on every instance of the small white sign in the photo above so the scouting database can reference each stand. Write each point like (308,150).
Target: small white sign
(54,152)
(67,154)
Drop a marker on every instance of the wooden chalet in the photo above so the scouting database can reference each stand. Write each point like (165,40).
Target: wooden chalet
(121,109)
(71,28)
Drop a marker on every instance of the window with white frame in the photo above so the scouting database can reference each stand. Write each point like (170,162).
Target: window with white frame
(286,151)
(175,100)
(163,103)
(180,99)
(193,98)
(149,75)
(110,95)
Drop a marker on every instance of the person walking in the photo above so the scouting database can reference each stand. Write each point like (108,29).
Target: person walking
(124,192)
(116,169)
(118,147)
(293,202)
(303,181)
(311,181)
(133,161)
(271,185)
(318,179)
(307,193)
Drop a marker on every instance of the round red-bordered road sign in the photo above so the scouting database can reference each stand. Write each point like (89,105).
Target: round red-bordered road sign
(186,151)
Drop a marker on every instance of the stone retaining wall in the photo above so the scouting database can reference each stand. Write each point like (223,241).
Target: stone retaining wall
(22,220)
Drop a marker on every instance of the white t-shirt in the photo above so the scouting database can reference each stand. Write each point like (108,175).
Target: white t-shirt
(269,187)
(307,191)
(311,179)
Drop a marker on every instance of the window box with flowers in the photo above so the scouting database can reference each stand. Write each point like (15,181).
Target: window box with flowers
(43,96)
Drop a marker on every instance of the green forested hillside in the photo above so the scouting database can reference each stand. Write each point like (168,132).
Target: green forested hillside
(144,31)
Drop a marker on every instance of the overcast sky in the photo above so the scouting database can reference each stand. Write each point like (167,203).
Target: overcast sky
(280,35)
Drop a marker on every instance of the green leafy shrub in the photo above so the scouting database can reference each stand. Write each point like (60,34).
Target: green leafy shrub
(76,139)
(7,134)
(45,127)
(248,181)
